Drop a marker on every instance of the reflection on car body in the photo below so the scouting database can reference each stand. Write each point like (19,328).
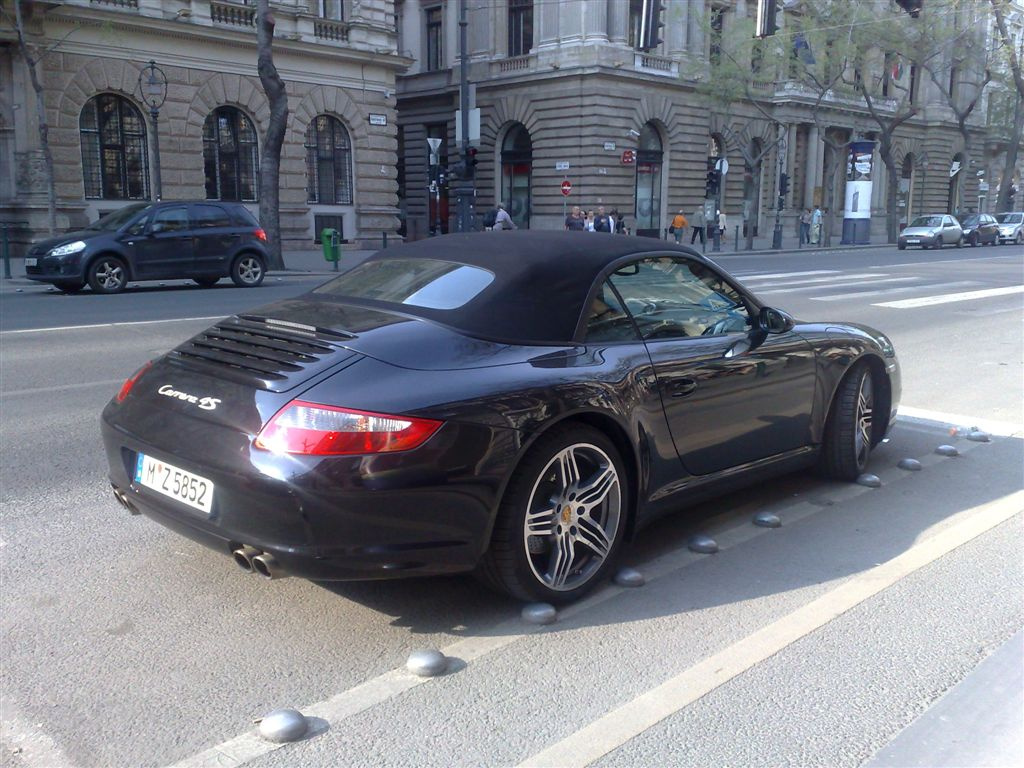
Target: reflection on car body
(515,409)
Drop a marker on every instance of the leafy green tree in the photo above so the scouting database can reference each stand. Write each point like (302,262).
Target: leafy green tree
(1008,62)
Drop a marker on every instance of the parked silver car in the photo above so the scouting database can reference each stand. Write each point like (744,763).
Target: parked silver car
(932,231)
(1011,227)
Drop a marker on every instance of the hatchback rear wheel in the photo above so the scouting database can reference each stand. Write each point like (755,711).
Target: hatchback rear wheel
(247,270)
(562,519)
(69,286)
(108,274)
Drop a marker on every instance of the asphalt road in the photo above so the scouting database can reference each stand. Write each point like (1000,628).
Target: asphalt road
(859,632)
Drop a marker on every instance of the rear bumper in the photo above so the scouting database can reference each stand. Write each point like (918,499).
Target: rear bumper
(427,511)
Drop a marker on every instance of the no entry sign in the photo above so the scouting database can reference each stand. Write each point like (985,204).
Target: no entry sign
(566,187)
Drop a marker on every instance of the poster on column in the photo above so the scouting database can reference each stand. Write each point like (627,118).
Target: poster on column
(857,210)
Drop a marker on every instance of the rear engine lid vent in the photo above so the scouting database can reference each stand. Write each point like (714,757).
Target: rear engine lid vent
(263,352)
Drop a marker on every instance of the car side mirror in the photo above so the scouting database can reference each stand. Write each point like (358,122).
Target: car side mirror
(771,320)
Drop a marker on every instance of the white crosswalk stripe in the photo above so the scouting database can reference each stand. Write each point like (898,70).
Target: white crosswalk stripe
(907,291)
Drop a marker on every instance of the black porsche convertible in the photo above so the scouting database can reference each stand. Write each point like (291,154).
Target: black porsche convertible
(514,405)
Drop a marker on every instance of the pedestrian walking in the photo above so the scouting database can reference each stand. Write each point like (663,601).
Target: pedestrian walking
(503,221)
(697,225)
(805,227)
(678,226)
(722,224)
(618,224)
(601,221)
(816,225)
(575,221)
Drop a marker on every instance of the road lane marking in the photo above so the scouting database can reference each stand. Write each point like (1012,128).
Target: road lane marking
(928,301)
(111,325)
(61,388)
(850,284)
(999,428)
(624,723)
(249,746)
(34,748)
(758,276)
(820,280)
(865,294)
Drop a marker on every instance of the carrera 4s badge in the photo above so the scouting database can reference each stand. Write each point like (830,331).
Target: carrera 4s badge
(206,403)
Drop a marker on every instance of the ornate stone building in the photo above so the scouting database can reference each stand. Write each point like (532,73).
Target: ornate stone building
(338,59)
(566,85)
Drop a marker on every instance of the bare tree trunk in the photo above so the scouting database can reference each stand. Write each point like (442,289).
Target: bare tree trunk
(273,139)
(44,127)
(1003,198)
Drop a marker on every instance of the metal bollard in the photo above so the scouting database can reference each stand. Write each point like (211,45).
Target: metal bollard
(7,253)
(384,235)
(736,245)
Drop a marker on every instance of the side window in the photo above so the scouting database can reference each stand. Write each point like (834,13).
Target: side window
(170,220)
(608,320)
(672,298)
(207,216)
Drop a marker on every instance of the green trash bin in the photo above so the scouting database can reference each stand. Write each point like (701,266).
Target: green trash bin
(331,242)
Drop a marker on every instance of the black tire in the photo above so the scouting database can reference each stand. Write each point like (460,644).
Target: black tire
(69,286)
(974,240)
(108,274)
(206,282)
(901,246)
(569,464)
(248,270)
(848,432)
(960,242)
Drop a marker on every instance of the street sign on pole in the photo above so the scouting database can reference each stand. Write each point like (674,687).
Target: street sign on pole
(722,166)
(566,187)
(562,165)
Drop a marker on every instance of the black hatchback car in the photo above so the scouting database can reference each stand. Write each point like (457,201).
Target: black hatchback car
(203,241)
(979,229)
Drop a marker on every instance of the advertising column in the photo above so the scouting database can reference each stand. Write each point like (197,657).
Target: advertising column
(857,212)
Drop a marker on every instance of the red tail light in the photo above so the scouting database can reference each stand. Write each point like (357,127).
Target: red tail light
(130,382)
(323,430)
(261,234)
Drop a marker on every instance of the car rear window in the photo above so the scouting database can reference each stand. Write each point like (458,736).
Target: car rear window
(210,216)
(426,283)
(243,217)
(1008,218)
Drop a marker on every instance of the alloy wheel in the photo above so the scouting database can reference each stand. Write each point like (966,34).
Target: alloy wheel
(573,516)
(863,419)
(248,270)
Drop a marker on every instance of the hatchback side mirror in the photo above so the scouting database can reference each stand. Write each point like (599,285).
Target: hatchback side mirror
(772,320)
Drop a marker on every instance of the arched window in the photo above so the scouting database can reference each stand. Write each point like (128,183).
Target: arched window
(648,182)
(516,171)
(328,162)
(115,162)
(230,155)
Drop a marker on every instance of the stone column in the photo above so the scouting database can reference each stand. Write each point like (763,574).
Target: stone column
(618,21)
(547,16)
(791,165)
(571,20)
(811,165)
(595,20)
(695,27)
(412,34)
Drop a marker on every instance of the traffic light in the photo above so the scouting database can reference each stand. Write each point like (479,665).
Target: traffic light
(651,24)
(913,7)
(783,185)
(471,162)
(711,183)
(765,19)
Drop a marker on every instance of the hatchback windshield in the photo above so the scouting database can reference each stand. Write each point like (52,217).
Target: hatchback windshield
(969,221)
(927,221)
(1009,218)
(117,219)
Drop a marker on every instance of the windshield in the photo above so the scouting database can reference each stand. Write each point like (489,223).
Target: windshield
(969,221)
(1009,218)
(117,219)
(927,221)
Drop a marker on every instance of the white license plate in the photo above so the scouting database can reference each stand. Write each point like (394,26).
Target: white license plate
(31,261)
(912,242)
(187,487)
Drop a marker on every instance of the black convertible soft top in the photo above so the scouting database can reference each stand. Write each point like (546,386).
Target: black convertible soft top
(541,279)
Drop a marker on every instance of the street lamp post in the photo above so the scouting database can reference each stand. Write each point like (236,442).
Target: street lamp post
(153,88)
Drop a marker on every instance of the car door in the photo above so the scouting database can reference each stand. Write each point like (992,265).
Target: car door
(215,237)
(731,393)
(951,231)
(165,249)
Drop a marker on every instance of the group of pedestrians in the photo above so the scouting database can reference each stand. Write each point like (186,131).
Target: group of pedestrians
(810,226)
(591,221)
(698,225)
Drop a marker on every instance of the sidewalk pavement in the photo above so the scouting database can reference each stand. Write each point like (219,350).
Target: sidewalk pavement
(312,261)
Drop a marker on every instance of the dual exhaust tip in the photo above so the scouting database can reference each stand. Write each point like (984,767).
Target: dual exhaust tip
(252,560)
(124,501)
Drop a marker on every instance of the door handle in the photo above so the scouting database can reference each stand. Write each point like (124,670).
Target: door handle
(683,387)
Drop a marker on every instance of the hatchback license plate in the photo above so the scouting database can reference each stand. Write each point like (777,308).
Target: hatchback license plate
(31,261)
(912,242)
(187,487)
